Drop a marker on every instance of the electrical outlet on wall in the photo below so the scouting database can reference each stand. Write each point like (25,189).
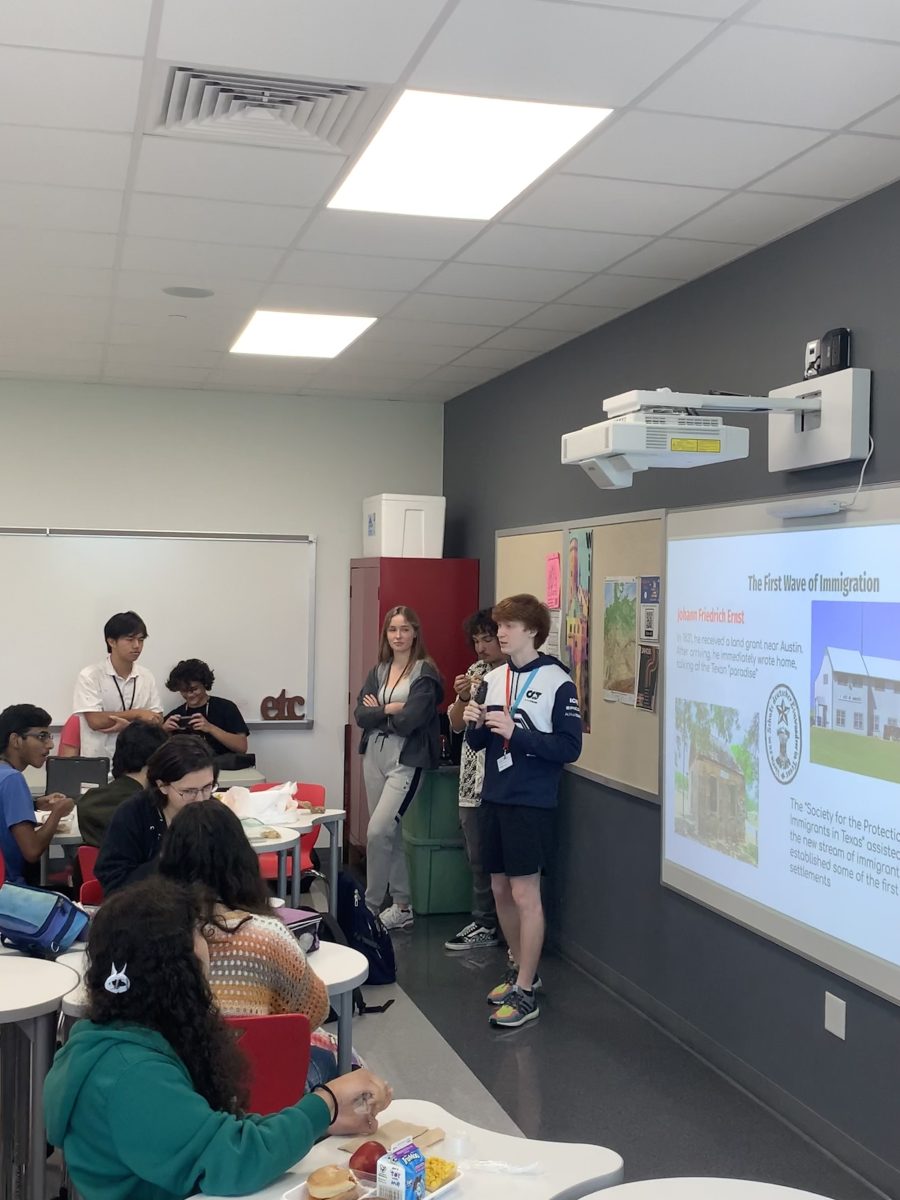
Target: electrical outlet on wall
(836,1015)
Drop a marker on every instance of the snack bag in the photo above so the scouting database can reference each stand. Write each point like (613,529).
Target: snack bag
(401,1173)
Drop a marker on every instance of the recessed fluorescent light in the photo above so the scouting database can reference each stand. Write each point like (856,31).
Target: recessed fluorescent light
(299,335)
(439,155)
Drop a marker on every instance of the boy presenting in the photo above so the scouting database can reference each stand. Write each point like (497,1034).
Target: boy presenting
(529,725)
(481,931)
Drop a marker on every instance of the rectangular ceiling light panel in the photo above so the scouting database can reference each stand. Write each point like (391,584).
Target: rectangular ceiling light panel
(439,155)
(299,335)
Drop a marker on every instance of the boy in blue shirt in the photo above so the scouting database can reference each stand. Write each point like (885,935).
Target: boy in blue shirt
(25,741)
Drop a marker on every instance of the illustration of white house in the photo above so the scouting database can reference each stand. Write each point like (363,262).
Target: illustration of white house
(858,693)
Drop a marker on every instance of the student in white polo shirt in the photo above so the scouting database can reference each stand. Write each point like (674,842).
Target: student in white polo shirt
(113,693)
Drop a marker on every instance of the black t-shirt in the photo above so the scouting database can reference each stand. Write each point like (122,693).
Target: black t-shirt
(222,713)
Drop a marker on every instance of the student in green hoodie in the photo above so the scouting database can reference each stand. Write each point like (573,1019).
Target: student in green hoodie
(147,1097)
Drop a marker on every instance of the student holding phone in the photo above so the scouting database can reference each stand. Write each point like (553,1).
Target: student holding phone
(217,720)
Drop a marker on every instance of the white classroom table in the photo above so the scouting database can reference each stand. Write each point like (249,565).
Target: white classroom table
(706,1189)
(30,993)
(564,1170)
(305,821)
(288,839)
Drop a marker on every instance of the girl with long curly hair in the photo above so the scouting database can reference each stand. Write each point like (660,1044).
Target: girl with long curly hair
(147,1097)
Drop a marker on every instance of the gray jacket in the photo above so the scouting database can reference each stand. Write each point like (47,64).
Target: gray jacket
(417,722)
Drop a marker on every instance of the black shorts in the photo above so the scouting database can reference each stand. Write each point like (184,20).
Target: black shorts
(516,839)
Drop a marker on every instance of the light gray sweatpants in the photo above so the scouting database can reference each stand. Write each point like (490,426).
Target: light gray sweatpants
(390,788)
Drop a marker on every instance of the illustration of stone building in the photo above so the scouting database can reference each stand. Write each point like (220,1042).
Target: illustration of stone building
(717,796)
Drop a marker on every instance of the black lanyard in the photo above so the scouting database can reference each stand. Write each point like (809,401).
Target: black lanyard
(126,707)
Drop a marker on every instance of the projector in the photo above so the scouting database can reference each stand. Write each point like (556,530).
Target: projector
(612,450)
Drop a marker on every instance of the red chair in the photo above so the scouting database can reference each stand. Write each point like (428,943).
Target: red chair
(87,861)
(312,793)
(277,1049)
(91,892)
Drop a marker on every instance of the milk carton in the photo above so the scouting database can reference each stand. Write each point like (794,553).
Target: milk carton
(401,1173)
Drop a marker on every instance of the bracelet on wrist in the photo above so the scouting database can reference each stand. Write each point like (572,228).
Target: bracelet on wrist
(323,1087)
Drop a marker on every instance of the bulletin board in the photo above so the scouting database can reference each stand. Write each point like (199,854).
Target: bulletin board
(622,747)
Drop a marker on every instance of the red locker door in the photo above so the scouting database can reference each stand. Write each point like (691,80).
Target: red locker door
(365,627)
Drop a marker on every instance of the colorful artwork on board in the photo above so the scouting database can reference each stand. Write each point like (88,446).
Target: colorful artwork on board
(578,617)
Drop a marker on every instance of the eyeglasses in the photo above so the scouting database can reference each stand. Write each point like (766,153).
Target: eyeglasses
(192,794)
(43,736)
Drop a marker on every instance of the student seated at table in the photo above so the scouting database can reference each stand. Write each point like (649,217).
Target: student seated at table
(25,741)
(134,748)
(256,965)
(180,772)
(69,745)
(147,1098)
(215,719)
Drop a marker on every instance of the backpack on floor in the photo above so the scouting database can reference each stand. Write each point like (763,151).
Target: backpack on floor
(37,922)
(355,926)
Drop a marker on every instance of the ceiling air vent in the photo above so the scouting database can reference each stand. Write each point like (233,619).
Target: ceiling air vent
(266,111)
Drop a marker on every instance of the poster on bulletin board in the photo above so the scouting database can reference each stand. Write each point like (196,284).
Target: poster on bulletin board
(578,617)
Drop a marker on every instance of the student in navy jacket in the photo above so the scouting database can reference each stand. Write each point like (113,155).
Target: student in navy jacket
(529,726)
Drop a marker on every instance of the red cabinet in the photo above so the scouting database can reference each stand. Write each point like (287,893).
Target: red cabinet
(443,591)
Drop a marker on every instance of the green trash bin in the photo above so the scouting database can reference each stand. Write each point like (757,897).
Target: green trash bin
(439,876)
(433,814)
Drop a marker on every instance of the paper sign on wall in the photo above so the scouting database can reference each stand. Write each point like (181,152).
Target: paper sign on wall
(551,590)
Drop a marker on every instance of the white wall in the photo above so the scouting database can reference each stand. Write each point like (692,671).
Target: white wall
(94,456)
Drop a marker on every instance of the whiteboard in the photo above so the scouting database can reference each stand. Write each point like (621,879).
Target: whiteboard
(244,603)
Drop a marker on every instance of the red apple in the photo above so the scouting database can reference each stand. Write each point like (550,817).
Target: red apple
(365,1157)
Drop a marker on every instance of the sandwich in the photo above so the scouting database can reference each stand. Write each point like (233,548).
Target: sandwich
(332,1183)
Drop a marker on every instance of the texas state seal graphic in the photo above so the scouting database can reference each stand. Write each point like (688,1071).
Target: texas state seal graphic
(783,733)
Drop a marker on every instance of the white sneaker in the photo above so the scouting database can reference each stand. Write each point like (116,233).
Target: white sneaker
(396,917)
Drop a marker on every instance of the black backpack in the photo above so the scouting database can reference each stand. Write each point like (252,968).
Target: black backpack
(362,930)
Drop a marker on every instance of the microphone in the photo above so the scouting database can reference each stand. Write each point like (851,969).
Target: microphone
(479,692)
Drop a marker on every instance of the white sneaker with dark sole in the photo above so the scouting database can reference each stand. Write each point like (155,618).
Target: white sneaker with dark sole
(396,917)
(473,937)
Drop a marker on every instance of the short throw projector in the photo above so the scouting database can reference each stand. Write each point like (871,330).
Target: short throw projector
(612,450)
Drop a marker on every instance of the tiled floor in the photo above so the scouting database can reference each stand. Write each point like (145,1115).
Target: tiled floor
(592,1069)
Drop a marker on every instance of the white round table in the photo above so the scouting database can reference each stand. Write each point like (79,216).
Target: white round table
(30,993)
(305,820)
(288,839)
(704,1188)
(341,969)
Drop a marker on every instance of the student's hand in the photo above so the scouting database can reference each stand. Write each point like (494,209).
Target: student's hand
(172,724)
(62,805)
(116,725)
(474,713)
(45,803)
(370,701)
(395,706)
(198,723)
(361,1096)
(462,685)
(500,722)
(147,714)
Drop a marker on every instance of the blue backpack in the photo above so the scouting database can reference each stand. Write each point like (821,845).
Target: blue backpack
(37,922)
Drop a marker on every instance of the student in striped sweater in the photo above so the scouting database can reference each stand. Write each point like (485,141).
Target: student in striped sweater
(256,966)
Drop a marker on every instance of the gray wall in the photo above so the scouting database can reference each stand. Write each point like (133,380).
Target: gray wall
(753,1008)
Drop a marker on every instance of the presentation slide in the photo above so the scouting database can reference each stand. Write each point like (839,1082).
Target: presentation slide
(782,738)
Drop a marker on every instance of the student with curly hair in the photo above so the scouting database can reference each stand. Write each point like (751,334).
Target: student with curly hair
(216,720)
(147,1098)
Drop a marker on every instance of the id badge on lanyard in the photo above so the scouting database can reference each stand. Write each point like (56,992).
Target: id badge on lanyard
(505,761)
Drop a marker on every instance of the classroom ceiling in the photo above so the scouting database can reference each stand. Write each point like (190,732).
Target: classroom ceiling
(735,122)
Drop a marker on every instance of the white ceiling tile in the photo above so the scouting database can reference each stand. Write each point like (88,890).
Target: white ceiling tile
(861,19)
(502,283)
(168,377)
(530,50)
(68,91)
(63,157)
(356,270)
(538,341)
(431,333)
(53,280)
(751,74)
(40,369)
(422,307)
(748,217)
(682,8)
(199,260)
(213,220)
(22,248)
(338,374)
(463,375)
(886,120)
(620,291)
(662,148)
(61,349)
(224,171)
(560,249)
(104,26)
(166,356)
(42,206)
(844,167)
(571,318)
(229,294)
(255,366)
(432,390)
(172,333)
(207,326)
(494,357)
(216,381)
(583,202)
(386,234)
(354,302)
(365,40)
(674,258)
(74,316)
(366,351)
